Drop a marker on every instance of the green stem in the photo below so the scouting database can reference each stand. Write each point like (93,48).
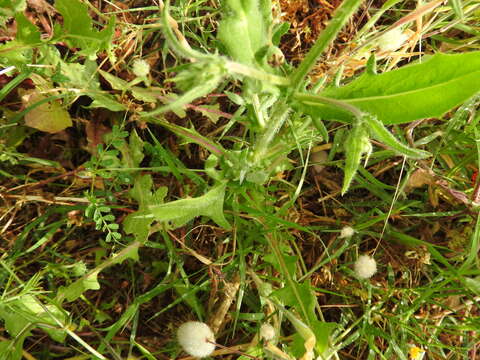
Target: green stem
(257,74)
(316,99)
(181,47)
(192,136)
(342,14)
(277,119)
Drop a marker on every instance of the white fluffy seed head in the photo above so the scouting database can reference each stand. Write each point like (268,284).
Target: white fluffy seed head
(392,40)
(347,232)
(365,267)
(194,337)
(267,332)
(141,68)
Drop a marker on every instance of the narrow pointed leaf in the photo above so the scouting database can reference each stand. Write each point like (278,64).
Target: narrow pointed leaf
(381,133)
(356,145)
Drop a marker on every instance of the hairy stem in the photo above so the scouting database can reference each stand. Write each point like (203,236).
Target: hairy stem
(277,119)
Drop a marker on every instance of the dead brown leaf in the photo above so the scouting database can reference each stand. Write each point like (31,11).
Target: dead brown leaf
(419,178)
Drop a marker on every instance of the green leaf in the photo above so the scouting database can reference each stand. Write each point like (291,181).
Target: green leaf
(90,281)
(135,147)
(146,95)
(78,27)
(26,311)
(115,82)
(49,116)
(15,53)
(357,144)
(130,252)
(290,262)
(300,297)
(424,90)
(381,133)
(106,101)
(138,223)
(12,349)
(132,153)
(198,80)
(10,7)
(180,212)
(457,8)
(81,76)
(212,112)
(190,298)
(77,288)
(473,284)
(26,31)
(243,30)
(322,331)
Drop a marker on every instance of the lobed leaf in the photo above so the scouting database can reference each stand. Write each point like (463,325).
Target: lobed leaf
(138,223)
(180,212)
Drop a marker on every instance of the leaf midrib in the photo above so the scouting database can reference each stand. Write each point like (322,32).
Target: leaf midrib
(378,97)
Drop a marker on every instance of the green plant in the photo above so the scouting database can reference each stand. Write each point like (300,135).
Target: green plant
(368,103)
(223,214)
